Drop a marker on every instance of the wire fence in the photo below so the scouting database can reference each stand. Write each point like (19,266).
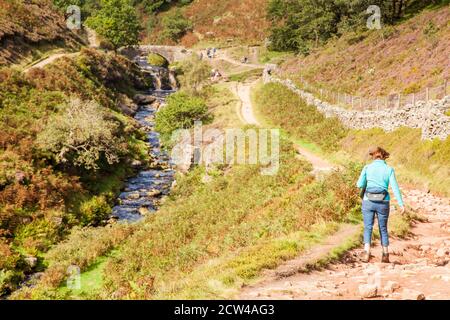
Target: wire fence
(391,101)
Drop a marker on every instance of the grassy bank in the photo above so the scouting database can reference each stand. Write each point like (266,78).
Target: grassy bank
(418,163)
(51,181)
(211,236)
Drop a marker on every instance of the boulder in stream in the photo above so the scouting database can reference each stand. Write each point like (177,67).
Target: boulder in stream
(144,99)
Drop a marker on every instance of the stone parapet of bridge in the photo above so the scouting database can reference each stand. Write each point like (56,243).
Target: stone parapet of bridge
(171,53)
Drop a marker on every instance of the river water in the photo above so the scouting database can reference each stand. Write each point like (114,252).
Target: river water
(142,192)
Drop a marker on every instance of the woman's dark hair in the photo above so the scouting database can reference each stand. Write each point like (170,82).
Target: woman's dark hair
(378,153)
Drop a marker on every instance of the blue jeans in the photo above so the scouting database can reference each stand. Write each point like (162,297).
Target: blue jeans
(381,209)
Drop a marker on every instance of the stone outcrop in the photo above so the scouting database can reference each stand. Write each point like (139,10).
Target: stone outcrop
(429,116)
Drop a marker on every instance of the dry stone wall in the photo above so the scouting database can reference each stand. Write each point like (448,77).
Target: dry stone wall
(428,116)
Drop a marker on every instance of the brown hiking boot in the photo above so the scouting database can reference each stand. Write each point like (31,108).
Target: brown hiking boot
(385,258)
(365,257)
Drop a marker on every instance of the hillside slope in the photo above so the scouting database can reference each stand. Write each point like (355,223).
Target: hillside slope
(42,198)
(27,26)
(241,20)
(404,58)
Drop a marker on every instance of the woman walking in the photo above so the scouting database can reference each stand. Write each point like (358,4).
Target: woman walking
(374,180)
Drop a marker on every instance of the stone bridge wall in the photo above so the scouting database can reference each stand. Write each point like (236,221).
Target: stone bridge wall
(171,53)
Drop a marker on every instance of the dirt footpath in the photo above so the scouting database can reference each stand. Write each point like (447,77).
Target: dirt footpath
(419,267)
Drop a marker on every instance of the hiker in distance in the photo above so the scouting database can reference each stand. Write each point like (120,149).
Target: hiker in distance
(374,183)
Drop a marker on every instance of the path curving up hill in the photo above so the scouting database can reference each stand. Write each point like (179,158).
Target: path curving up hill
(93,43)
(419,267)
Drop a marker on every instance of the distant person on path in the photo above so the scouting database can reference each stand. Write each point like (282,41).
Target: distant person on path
(374,181)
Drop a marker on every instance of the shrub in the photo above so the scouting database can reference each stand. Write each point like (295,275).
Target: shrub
(94,210)
(193,73)
(155,59)
(8,258)
(37,236)
(81,134)
(9,280)
(181,111)
(175,25)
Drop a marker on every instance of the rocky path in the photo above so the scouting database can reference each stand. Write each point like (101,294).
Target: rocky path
(419,267)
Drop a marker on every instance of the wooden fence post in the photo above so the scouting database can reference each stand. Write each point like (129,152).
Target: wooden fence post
(360,103)
(414,99)
(399,100)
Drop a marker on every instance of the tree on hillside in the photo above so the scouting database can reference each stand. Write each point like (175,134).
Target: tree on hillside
(181,111)
(81,135)
(299,25)
(151,6)
(117,22)
(175,25)
(87,6)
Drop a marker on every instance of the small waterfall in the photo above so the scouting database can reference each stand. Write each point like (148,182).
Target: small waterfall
(173,80)
(157,80)
(162,78)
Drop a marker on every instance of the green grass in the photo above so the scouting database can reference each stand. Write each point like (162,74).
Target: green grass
(155,59)
(223,105)
(89,249)
(303,122)
(243,76)
(423,164)
(277,57)
(91,280)
(223,277)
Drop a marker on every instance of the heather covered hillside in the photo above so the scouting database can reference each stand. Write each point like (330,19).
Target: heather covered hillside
(404,57)
(30,26)
(211,20)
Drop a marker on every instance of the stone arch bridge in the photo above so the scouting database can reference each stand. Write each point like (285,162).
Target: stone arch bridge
(171,53)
